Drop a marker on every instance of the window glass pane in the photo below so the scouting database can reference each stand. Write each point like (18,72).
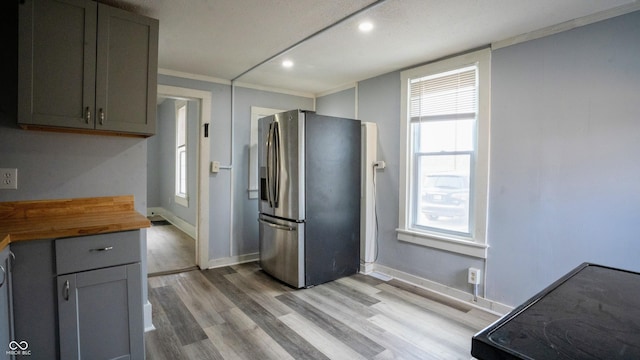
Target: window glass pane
(453,135)
(182,190)
(442,192)
(181,149)
(181,137)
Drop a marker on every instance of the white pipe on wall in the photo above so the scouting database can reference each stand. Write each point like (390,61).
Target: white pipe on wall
(231,188)
(368,200)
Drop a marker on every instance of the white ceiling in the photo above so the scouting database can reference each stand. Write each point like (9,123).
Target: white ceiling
(225,38)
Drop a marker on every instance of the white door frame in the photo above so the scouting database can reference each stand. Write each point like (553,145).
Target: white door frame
(202,215)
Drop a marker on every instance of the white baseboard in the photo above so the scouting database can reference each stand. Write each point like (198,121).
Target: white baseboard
(232,260)
(454,294)
(174,220)
(366,267)
(155,211)
(148,323)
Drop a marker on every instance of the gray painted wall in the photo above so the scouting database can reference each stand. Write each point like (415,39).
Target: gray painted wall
(379,102)
(563,179)
(340,104)
(564,169)
(154,163)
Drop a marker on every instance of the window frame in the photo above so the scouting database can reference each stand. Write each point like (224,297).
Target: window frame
(180,197)
(475,245)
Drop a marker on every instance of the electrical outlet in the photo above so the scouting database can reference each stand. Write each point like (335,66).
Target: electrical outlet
(380,164)
(474,276)
(8,178)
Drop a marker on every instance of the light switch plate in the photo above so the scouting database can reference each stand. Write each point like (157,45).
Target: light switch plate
(215,166)
(8,179)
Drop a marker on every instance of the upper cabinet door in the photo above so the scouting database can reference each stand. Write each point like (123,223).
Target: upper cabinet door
(57,41)
(87,67)
(127,68)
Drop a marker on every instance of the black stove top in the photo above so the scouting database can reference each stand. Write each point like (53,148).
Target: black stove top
(593,312)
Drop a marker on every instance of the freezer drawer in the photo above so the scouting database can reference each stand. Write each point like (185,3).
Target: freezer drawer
(282,250)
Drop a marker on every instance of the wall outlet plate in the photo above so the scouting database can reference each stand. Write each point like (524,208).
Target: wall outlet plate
(380,164)
(474,276)
(8,178)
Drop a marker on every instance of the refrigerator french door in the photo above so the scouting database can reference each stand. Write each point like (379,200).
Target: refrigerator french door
(309,201)
(282,175)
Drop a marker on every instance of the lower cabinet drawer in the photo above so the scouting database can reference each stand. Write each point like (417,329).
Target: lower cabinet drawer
(97,251)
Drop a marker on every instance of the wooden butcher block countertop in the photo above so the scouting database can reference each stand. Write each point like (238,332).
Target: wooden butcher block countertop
(47,219)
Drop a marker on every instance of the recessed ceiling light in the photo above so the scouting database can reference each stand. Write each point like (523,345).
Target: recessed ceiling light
(365,26)
(287,63)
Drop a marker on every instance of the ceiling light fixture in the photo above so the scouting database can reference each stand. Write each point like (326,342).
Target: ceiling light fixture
(287,63)
(365,26)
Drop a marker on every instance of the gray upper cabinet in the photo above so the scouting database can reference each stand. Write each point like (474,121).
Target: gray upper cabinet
(86,66)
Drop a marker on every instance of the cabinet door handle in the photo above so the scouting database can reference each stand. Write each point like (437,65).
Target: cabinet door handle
(103,249)
(101,116)
(65,290)
(4,275)
(87,115)
(13,259)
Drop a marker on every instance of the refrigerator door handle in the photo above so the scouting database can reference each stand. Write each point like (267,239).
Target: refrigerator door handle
(277,226)
(269,164)
(276,185)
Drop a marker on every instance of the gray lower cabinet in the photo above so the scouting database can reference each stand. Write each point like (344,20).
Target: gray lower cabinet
(34,302)
(80,297)
(86,66)
(7,348)
(95,320)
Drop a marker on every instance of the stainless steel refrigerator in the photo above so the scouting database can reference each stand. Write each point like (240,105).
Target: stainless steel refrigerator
(309,206)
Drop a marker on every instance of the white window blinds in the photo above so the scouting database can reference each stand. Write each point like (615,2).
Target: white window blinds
(446,96)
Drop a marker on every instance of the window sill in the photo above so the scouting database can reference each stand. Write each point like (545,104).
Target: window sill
(182,201)
(444,243)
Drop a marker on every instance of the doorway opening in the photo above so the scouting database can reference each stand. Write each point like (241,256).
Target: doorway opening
(177,182)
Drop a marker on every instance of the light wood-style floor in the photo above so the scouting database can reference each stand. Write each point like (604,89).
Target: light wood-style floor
(239,312)
(168,248)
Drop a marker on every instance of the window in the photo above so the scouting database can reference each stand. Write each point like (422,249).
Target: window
(181,153)
(445,138)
